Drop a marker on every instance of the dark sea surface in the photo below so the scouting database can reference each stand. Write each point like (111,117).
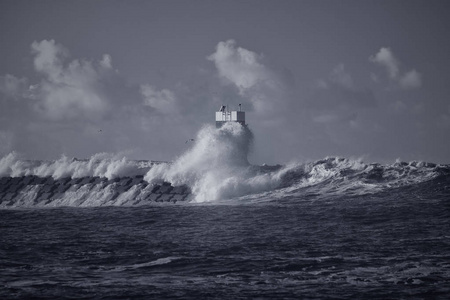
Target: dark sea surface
(209,225)
(393,244)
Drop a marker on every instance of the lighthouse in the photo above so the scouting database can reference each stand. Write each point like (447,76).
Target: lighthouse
(224,115)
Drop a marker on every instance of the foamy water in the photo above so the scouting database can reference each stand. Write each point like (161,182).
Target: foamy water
(215,169)
(212,225)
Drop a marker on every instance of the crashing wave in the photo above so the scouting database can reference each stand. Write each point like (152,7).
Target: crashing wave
(214,169)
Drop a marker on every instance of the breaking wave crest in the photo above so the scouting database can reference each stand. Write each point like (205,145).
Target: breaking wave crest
(99,165)
(335,177)
(214,169)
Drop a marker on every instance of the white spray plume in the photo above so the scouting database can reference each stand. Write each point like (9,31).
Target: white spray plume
(216,167)
(101,165)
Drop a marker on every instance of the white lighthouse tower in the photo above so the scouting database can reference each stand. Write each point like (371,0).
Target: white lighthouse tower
(224,115)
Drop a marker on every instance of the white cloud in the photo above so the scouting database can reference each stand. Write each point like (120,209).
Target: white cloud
(338,78)
(238,65)
(68,91)
(341,77)
(386,58)
(106,61)
(263,87)
(80,107)
(48,58)
(164,101)
(411,80)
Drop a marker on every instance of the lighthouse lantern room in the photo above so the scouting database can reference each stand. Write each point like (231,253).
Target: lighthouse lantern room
(224,115)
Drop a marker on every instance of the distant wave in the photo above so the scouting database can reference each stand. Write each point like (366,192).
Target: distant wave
(99,165)
(214,169)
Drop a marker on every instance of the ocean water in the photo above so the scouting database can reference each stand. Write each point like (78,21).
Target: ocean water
(209,225)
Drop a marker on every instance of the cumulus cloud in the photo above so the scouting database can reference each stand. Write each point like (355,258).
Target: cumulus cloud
(386,58)
(67,90)
(106,61)
(48,58)
(405,80)
(410,80)
(268,94)
(247,71)
(80,107)
(163,101)
(240,66)
(76,106)
(341,77)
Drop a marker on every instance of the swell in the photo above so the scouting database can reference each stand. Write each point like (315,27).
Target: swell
(333,178)
(330,178)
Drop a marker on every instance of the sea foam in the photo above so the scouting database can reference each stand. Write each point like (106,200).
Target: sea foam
(99,165)
(216,167)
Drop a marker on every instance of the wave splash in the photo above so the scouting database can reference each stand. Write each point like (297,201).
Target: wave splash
(99,165)
(335,177)
(103,180)
(214,169)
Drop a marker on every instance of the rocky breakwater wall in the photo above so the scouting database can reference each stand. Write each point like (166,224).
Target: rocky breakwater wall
(29,191)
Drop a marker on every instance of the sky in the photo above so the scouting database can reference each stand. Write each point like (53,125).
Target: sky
(356,79)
